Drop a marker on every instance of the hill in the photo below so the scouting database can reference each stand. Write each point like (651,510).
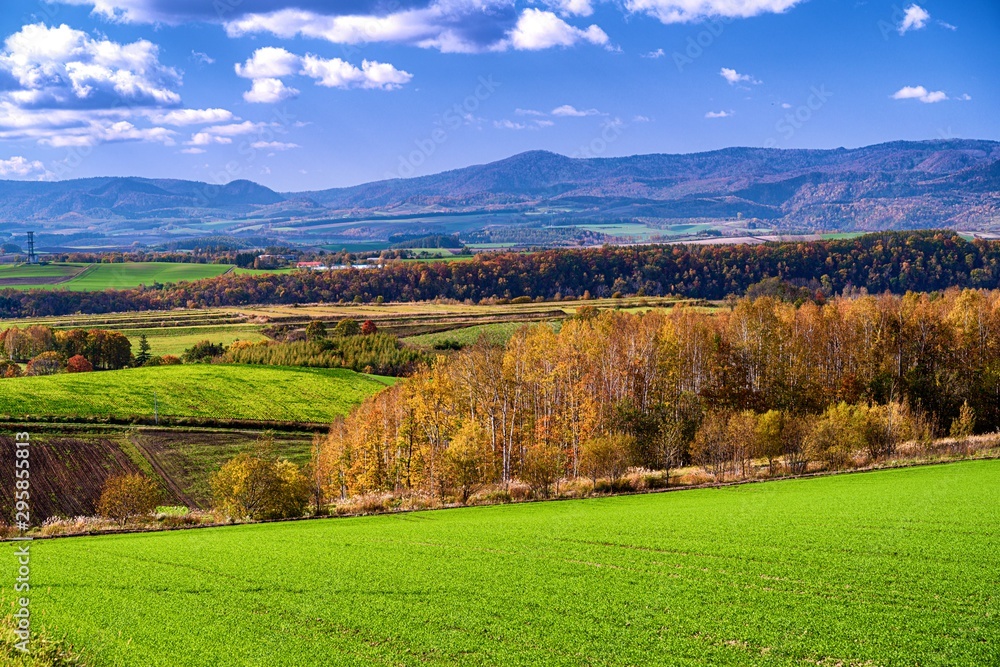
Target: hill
(883,568)
(897,185)
(203,391)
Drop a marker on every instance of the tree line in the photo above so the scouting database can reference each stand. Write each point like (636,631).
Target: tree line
(894,262)
(47,351)
(767,380)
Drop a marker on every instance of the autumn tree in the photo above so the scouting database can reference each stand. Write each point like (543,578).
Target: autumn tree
(606,456)
(128,496)
(368,328)
(46,363)
(78,364)
(347,327)
(465,463)
(254,485)
(316,330)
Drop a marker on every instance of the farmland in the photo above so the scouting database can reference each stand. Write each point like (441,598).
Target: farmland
(94,277)
(218,392)
(891,567)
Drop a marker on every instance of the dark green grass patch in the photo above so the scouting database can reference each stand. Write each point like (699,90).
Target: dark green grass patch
(895,567)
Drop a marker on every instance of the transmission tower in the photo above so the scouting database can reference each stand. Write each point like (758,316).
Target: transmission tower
(32,258)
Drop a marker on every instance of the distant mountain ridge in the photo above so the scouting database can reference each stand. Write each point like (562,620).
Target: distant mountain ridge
(897,185)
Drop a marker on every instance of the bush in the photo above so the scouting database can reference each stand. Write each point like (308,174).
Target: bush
(79,364)
(347,327)
(46,363)
(368,328)
(10,369)
(128,496)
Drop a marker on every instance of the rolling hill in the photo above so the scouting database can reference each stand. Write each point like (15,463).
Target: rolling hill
(898,185)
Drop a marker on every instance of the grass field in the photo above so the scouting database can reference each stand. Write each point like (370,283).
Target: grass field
(93,277)
(174,340)
(896,567)
(262,393)
(498,334)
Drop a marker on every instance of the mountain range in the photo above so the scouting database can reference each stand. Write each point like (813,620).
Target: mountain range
(897,185)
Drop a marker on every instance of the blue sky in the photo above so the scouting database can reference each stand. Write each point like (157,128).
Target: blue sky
(296,95)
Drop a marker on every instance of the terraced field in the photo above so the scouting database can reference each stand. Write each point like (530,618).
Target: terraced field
(94,277)
(895,567)
(208,391)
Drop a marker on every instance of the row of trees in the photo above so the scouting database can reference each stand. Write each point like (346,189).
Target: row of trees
(890,261)
(48,351)
(609,391)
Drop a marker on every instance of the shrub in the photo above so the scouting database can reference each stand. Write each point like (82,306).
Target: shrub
(128,496)
(347,327)
(315,330)
(46,363)
(10,369)
(368,328)
(79,364)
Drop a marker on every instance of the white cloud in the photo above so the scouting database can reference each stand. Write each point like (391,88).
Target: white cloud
(269,91)
(948,26)
(786,105)
(641,119)
(337,73)
(273,145)
(718,114)
(60,67)
(919,93)
(192,151)
(573,112)
(658,53)
(537,29)
(21,166)
(269,62)
(572,7)
(223,134)
(202,58)
(734,77)
(965,97)
(533,124)
(191,116)
(914,18)
(528,112)
(688,11)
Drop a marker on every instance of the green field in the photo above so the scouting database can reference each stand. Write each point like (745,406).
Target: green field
(263,393)
(498,334)
(174,340)
(897,567)
(94,277)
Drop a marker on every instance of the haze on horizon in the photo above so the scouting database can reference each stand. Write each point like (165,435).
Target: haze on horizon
(296,96)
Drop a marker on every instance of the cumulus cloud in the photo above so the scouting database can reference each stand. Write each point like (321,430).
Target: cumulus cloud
(572,7)
(919,93)
(915,17)
(687,11)
(571,111)
(21,166)
(734,77)
(268,64)
(658,53)
(532,124)
(537,29)
(337,73)
(59,67)
(718,114)
(65,88)
(269,91)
